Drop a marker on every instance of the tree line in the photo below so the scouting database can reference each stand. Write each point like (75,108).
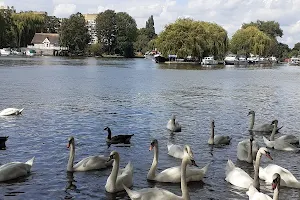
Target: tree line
(118,34)
(18,29)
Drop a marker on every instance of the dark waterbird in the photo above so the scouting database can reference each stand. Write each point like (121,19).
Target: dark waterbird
(117,139)
(2,142)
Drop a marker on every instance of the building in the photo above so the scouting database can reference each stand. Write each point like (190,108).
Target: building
(91,25)
(45,43)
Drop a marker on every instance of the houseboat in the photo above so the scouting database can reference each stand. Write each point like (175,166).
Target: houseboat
(294,61)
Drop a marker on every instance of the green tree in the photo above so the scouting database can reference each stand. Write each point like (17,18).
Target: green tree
(106,26)
(150,29)
(271,28)
(7,32)
(250,40)
(74,33)
(51,24)
(187,37)
(126,35)
(297,46)
(26,24)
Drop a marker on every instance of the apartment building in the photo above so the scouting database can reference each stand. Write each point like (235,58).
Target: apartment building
(91,25)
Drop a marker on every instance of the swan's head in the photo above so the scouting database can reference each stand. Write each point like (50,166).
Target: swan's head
(265,151)
(188,154)
(213,123)
(153,144)
(71,141)
(113,155)
(251,112)
(276,181)
(274,122)
(106,128)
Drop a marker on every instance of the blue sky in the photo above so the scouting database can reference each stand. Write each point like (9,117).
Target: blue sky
(228,13)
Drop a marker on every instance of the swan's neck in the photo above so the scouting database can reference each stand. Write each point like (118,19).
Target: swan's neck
(184,188)
(71,157)
(276,193)
(273,132)
(256,171)
(109,134)
(212,135)
(252,121)
(151,173)
(250,156)
(114,172)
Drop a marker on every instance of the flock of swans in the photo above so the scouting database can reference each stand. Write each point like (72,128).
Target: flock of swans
(122,178)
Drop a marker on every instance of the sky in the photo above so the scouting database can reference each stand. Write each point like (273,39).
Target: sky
(230,14)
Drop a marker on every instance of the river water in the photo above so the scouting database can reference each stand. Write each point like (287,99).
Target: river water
(79,97)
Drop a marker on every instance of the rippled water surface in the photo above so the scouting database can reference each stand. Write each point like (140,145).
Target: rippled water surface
(79,97)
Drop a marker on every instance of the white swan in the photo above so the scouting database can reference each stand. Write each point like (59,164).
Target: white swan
(217,139)
(175,150)
(11,111)
(279,144)
(173,126)
(287,178)
(173,174)
(14,170)
(267,128)
(161,194)
(287,138)
(86,164)
(254,194)
(238,177)
(118,177)
(247,150)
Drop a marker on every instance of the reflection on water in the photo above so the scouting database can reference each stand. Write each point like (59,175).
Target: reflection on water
(78,97)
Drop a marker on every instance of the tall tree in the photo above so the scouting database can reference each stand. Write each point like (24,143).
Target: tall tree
(150,28)
(297,46)
(126,35)
(271,28)
(7,32)
(187,37)
(106,26)
(250,40)
(51,24)
(74,33)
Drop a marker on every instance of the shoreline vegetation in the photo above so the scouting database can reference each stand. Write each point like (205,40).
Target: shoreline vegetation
(119,36)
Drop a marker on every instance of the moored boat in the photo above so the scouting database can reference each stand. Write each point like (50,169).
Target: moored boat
(209,61)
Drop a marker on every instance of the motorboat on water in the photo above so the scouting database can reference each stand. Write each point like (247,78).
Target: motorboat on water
(209,61)
(294,61)
(158,58)
(5,52)
(231,59)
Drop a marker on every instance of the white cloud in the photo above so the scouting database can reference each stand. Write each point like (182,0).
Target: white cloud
(230,14)
(64,10)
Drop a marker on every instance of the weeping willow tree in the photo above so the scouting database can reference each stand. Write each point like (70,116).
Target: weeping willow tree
(187,37)
(26,25)
(250,40)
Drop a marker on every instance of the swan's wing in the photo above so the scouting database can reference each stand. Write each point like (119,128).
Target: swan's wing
(255,195)
(284,146)
(151,194)
(128,169)
(195,174)
(175,150)
(9,111)
(171,175)
(91,163)
(236,176)
(268,143)
(221,139)
(263,128)
(13,170)
(289,139)
(285,174)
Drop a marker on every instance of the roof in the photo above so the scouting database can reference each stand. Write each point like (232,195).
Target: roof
(40,37)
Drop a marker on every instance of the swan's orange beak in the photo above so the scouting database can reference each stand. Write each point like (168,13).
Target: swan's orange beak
(274,185)
(269,156)
(150,148)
